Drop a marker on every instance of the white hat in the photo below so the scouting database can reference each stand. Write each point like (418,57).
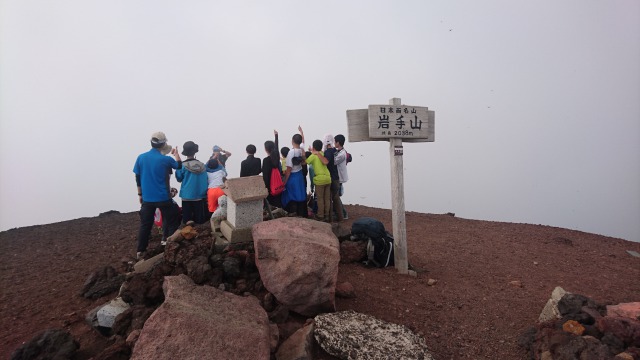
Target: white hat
(159,141)
(328,140)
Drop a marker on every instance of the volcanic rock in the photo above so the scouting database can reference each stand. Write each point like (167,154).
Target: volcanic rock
(345,290)
(353,251)
(298,346)
(101,282)
(352,335)
(195,322)
(298,263)
(50,344)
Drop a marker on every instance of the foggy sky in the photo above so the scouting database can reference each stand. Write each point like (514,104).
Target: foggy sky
(537,103)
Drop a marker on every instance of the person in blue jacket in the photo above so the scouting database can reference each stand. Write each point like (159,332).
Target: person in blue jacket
(153,170)
(193,191)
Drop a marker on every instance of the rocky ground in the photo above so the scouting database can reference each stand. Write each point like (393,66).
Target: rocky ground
(493,279)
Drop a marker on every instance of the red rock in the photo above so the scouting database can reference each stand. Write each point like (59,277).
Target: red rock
(432,282)
(274,335)
(625,329)
(573,327)
(298,263)
(133,337)
(345,290)
(353,251)
(198,322)
(629,310)
(516,283)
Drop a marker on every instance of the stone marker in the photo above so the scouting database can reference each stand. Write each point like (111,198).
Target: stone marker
(352,335)
(245,200)
(202,322)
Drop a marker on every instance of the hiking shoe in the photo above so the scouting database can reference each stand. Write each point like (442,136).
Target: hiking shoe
(140,255)
(163,243)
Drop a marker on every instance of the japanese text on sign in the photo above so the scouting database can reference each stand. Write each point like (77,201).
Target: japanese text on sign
(387,121)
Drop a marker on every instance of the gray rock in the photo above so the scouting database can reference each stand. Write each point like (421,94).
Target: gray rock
(101,282)
(550,310)
(107,314)
(352,335)
(55,344)
(231,267)
(143,266)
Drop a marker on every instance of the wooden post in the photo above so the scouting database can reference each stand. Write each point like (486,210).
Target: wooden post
(397,201)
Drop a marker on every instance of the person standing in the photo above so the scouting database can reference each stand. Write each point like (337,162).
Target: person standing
(250,166)
(216,175)
(153,170)
(193,176)
(341,159)
(269,164)
(336,202)
(220,155)
(321,180)
(294,198)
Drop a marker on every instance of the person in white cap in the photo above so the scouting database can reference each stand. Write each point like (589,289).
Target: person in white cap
(153,170)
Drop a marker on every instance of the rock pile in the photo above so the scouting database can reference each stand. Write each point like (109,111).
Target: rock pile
(576,327)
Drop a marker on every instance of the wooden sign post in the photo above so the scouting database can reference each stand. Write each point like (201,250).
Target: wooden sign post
(394,123)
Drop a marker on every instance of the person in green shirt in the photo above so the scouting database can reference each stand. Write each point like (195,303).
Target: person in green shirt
(321,180)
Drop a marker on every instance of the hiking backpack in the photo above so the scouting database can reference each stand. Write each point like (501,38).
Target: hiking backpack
(276,184)
(379,241)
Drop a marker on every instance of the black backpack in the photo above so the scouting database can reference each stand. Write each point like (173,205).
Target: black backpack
(379,241)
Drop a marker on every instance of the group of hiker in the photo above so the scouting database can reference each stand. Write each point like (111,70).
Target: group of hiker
(284,171)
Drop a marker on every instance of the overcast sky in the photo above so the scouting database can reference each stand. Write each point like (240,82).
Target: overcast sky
(537,102)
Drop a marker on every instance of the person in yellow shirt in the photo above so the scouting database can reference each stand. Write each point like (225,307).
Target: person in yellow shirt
(321,180)
(283,156)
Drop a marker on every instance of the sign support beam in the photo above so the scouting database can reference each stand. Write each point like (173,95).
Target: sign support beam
(397,201)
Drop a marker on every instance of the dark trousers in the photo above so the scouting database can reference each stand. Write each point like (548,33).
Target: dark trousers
(194,210)
(170,221)
(336,201)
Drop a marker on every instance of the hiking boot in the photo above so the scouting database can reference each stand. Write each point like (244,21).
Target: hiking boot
(163,242)
(140,255)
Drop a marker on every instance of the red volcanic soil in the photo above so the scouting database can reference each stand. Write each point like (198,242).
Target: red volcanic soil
(473,311)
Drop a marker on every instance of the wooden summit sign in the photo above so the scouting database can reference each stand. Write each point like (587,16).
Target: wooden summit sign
(394,123)
(406,122)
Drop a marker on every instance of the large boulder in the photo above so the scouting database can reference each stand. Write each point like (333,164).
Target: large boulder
(202,322)
(298,263)
(50,344)
(352,335)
